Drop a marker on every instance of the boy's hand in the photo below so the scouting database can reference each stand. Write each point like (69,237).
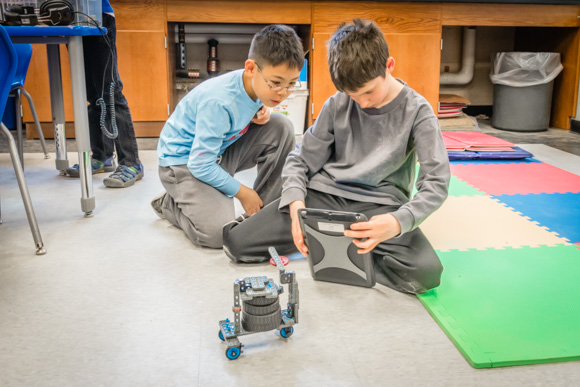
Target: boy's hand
(296,231)
(262,116)
(249,199)
(378,229)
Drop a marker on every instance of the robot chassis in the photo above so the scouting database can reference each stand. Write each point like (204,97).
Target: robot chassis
(261,312)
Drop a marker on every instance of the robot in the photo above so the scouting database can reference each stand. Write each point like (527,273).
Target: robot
(256,299)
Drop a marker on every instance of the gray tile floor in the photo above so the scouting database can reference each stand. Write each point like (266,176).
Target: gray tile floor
(124,299)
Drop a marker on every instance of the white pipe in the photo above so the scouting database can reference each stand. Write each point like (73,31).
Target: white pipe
(465,75)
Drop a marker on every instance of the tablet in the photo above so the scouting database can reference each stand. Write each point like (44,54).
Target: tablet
(333,257)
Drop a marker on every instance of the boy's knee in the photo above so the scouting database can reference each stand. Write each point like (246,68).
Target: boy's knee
(232,241)
(429,275)
(284,125)
(209,235)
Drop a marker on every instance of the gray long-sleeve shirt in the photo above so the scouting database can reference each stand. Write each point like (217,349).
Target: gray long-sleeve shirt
(369,155)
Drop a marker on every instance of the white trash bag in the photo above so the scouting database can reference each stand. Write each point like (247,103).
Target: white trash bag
(521,69)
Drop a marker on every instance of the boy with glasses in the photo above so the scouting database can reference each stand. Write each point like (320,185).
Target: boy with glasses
(360,156)
(224,126)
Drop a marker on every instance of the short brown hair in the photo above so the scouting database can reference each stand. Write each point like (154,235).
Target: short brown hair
(357,54)
(277,44)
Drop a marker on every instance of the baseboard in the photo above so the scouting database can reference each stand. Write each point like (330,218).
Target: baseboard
(575,125)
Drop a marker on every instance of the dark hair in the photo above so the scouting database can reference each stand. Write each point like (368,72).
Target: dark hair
(277,44)
(357,54)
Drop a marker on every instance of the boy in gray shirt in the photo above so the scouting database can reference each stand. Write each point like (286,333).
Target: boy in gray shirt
(360,156)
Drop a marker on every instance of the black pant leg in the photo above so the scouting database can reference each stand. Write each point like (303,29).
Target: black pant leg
(248,241)
(100,71)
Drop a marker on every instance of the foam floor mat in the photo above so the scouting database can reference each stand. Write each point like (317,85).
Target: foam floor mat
(517,178)
(480,222)
(559,212)
(508,236)
(510,307)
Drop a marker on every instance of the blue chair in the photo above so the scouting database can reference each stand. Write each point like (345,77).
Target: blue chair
(24,54)
(8,65)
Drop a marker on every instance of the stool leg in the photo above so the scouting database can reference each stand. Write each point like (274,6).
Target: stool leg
(36,122)
(24,191)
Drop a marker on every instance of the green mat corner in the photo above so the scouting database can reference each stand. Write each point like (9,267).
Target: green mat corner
(510,307)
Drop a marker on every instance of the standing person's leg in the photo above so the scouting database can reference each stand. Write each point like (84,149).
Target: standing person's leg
(96,58)
(98,62)
(266,146)
(130,168)
(194,206)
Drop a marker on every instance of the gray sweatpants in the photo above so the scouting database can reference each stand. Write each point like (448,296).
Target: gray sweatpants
(407,263)
(199,209)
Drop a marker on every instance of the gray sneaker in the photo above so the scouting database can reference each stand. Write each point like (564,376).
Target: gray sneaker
(124,176)
(157,204)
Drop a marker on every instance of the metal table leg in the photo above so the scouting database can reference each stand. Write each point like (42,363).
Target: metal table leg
(79,93)
(57,106)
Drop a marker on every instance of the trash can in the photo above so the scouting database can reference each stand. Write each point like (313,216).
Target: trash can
(522,90)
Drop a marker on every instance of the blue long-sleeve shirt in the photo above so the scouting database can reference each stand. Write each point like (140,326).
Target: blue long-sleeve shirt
(205,122)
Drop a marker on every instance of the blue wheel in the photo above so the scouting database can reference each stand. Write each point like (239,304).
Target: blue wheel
(286,332)
(233,353)
(221,335)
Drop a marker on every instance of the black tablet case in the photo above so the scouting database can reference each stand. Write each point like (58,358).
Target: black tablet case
(333,257)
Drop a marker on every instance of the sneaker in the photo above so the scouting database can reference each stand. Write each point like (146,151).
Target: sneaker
(157,204)
(124,176)
(98,167)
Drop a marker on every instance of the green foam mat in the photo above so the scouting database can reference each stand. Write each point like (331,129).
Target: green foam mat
(456,187)
(460,188)
(510,307)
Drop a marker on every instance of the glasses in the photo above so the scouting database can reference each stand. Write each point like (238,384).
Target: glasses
(276,85)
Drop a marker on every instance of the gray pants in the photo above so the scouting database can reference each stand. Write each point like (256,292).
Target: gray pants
(199,209)
(407,263)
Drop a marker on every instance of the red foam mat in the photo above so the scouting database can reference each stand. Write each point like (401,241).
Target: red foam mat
(510,179)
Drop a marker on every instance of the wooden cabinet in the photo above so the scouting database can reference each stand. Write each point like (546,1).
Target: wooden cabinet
(412,29)
(413,32)
(415,56)
(142,62)
(540,28)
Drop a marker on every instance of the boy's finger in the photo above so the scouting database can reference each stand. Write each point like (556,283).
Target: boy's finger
(363,244)
(356,234)
(360,226)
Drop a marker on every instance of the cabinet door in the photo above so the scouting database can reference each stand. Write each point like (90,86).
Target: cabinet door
(417,57)
(142,60)
(322,87)
(417,62)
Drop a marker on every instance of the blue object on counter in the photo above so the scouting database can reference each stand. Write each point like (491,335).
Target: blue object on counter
(304,72)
